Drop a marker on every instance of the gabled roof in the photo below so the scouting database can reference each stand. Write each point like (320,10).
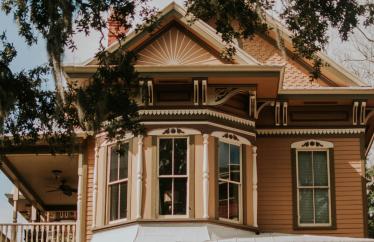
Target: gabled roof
(333,71)
(205,33)
(332,74)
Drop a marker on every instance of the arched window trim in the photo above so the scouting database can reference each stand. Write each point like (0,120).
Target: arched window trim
(231,138)
(173,131)
(312,144)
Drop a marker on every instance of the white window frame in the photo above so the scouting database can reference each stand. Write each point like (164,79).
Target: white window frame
(173,176)
(324,147)
(231,142)
(109,183)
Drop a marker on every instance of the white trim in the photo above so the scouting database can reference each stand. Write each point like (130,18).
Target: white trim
(254,185)
(230,138)
(173,131)
(312,145)
(139,178)
(313,187)
(205,176)
(240,184)
(94,210)
(197,112)
(171,216)
(310,131)
(198,122)
(118,181)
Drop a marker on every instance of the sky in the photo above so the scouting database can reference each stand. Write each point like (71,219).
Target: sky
(29,57)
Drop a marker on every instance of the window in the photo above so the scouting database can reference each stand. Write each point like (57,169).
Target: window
(229,181)
(313,184)
(172,176)
(118,181)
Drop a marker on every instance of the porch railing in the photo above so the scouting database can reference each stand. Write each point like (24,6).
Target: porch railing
(38,232)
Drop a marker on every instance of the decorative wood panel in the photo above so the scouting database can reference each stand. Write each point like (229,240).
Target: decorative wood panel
(175,48)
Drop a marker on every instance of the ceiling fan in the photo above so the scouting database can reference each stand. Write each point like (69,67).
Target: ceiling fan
(63,187)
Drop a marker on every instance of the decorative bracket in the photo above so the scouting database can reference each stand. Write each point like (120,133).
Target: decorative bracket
(359,113)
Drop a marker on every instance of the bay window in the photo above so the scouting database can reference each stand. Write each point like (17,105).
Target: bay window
(118,181)
(173,176)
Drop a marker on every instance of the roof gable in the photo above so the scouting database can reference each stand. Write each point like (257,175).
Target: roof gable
(175,47)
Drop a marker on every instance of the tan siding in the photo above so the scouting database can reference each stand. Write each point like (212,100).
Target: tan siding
(275,186)
(90,154)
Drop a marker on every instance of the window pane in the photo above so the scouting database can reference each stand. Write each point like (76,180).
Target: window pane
(305,168)
(113,194)
(123,163)
(165,151)
(180,156)
(322,205)
(306,205)
(180,195)
(234,163)
(113,176)
(234,201)
(320,168)
(165,196)
(223,160)
(123,200)
(223,199)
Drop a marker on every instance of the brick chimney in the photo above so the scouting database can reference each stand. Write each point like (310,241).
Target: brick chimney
(114,29)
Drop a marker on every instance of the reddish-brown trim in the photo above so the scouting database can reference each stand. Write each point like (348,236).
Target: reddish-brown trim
(332,194)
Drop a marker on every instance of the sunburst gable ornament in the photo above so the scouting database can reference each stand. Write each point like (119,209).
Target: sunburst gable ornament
(175,48)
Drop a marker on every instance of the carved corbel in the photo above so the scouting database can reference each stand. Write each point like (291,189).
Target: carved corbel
(150,92)
(362,113)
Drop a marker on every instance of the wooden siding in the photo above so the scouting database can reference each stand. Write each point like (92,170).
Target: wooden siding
(90,157)
(275,186)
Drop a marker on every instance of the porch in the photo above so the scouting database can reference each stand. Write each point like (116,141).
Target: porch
(44,198)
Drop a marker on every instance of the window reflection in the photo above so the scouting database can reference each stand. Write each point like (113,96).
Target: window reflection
(173,176)
(229,181)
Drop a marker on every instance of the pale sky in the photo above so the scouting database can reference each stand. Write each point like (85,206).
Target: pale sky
(32,56)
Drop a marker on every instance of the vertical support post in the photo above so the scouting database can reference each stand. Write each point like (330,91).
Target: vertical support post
(33,214)
(205,176)
(80,216)
(15,213)
(95,187)
(139,178)
(254,184)
(15,203)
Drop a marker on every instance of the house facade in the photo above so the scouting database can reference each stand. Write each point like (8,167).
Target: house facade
(242,148)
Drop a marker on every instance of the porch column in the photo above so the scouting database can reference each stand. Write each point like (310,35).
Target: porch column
(205,176)
(254,183)
(34,213)
(80,199)
(15,194)
(15,204)
(139,177)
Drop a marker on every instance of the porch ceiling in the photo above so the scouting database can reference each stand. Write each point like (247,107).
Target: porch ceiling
(34,176)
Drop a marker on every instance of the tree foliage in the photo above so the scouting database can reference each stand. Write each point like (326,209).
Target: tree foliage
(105,103)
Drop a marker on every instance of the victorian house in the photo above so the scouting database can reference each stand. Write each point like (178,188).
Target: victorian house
(248,148)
